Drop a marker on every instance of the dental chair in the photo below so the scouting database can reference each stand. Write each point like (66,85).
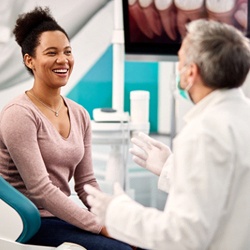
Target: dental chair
(20,220)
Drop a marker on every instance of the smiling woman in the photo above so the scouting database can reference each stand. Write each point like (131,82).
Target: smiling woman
(45,139)
(53,62)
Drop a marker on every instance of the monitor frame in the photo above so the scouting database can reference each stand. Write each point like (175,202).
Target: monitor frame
(147,51)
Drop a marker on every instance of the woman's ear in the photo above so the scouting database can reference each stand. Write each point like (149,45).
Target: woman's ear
(27,59)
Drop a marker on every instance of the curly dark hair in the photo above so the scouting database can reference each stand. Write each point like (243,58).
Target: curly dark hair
(29,27)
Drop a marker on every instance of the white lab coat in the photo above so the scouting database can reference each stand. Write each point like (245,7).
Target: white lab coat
(208,205)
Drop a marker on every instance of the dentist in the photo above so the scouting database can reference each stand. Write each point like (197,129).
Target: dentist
(208,174)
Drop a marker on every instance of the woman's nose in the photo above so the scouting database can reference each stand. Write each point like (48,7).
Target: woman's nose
(62,59)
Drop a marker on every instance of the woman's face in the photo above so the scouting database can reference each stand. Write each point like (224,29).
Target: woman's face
(53,61)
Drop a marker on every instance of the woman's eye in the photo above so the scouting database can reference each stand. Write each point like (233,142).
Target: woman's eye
(51,53)
(68,52)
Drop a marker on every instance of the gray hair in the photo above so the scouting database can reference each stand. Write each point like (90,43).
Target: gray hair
(221,52)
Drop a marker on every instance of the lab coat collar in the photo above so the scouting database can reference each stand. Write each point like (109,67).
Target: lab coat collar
(211,99)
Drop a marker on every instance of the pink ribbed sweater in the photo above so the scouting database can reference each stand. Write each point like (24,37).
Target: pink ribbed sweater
(39,162)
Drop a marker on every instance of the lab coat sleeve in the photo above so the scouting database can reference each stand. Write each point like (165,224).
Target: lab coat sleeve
(127,226)
(166,175)
(201,179)
(148,228)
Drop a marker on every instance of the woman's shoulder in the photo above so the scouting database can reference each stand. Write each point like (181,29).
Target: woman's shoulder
(79,115)
(19,109)
(19,102)
(75,107)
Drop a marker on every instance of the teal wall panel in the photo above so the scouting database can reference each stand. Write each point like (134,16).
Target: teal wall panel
(94,90)
(143,76)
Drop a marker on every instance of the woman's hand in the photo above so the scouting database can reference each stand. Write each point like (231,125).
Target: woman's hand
(104,232)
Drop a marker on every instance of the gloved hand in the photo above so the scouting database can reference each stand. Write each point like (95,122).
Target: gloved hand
(99,201)
(149,153)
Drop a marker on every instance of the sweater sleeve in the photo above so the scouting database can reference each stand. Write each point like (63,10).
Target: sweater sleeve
(19,134)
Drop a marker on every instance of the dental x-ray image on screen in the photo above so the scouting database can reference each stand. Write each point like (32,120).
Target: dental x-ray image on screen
(156,27)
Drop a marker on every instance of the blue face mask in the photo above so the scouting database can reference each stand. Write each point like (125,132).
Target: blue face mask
(183,92)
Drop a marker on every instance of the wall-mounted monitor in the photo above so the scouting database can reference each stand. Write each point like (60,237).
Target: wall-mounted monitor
(153,29)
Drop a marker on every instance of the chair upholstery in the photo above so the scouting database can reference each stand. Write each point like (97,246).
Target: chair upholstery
(25,209)
(20,220)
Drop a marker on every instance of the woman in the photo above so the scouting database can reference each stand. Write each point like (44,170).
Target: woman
(45,139)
